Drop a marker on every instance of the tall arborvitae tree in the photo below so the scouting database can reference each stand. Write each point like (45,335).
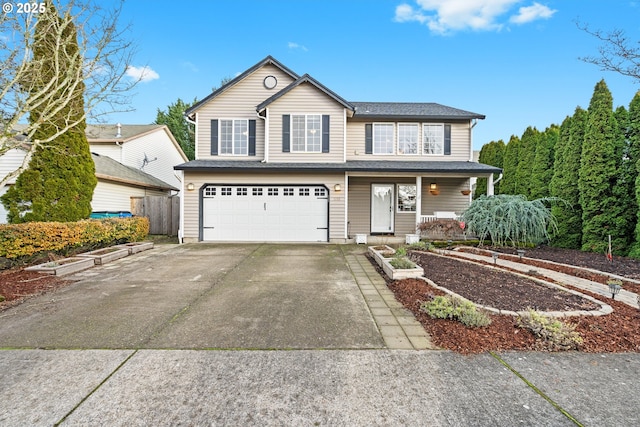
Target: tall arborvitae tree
(564,185)
(509,181)
(542,169)
(490,154)
(624,185)
(58,184)
(598,171)
(526,156)
(633,136)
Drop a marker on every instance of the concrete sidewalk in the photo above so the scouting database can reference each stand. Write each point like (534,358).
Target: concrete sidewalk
(314,387)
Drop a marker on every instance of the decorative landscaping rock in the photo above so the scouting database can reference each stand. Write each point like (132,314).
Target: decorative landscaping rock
(63,266)
(135,247)
(105,255)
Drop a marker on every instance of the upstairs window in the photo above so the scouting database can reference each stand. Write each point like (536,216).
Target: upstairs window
(433,138)
(234,137)
(408,138)
(306,133)
(383,138)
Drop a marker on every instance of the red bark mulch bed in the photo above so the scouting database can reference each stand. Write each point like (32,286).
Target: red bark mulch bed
(615,332)
(18,284)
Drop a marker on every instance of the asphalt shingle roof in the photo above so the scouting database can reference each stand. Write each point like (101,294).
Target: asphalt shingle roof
(411,110)
(109,169)
(350,166)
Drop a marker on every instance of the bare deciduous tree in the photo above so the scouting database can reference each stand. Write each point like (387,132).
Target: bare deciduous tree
(48,86)
(616,53)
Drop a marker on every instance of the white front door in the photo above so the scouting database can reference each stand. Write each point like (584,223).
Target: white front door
(382,208)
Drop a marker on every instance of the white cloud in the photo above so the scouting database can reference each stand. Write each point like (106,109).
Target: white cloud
(144,74)
(534,12)
(292,45)
(406,13)
(446,16)
(190,66)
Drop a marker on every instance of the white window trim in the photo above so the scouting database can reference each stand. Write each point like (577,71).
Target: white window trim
(233,131)
(373,139)
(424,152)
(306,142)
(418,142)
(397,201)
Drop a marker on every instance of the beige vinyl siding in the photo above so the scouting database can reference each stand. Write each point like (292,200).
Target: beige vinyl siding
(460,143)
(306,99)
(108,150)
(360,205)
(238,102)
(192,198)
(449,199)
(109,196)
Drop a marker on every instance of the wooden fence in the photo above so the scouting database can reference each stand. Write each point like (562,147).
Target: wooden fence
(163,213)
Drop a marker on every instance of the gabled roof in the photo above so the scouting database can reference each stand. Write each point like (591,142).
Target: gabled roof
(111,170)
(411,110)
(269,60)
(306,79)
(109,132)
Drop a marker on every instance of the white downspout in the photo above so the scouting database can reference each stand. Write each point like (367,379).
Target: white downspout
(473,122)
(266,134)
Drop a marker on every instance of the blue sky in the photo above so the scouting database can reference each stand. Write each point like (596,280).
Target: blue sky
(516,61)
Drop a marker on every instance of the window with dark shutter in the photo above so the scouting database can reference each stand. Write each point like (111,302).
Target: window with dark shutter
(286,133)
(252,137)
(325,133)
(368,138)
(447,140)
(214,137)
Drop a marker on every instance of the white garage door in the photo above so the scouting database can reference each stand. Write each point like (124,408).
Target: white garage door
(251,213)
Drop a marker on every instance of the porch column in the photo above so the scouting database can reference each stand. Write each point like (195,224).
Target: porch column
(418,199)
(490,185)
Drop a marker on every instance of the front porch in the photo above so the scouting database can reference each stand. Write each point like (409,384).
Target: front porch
(387,207)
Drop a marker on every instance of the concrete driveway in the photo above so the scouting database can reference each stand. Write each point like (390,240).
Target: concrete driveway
(199,296)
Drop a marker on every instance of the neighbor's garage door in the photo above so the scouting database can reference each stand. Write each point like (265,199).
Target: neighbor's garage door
(265,213)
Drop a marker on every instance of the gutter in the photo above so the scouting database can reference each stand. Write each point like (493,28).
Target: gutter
(498,180)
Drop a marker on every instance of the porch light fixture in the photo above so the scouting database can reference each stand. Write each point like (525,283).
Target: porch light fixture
(614,287)
(337,187)
(191,186)
(433,189)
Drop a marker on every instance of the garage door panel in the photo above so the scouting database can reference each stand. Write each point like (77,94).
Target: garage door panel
(265,213)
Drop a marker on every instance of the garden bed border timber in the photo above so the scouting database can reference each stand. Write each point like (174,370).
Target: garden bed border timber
(391,271)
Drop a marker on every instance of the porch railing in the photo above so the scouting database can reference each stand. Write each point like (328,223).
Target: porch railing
(439,215)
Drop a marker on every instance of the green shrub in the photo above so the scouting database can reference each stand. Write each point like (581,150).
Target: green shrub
(402,263)
(401,252)
(510,219)
(33,238)
(448,307)
(555,334)
(421,245)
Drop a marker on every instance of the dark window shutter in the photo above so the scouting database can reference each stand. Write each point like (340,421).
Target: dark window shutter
(368,139)
(325,133)
(214,137)
(286,133)
(447,140)
(252,137)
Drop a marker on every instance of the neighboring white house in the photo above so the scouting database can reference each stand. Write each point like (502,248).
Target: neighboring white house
(131,161)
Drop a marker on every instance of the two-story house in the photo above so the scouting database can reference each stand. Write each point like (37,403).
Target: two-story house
(281,157)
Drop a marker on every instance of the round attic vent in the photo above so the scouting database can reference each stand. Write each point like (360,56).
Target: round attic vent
(270,82)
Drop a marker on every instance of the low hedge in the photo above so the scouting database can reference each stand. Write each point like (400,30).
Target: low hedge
(35,238)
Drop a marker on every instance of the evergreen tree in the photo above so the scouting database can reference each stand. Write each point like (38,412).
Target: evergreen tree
(526,156)
(183,131)
(58,184)
(564,184)
(510,166)
(598,169)
(633,135)
(624,185)
(542,168)
(490,154)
